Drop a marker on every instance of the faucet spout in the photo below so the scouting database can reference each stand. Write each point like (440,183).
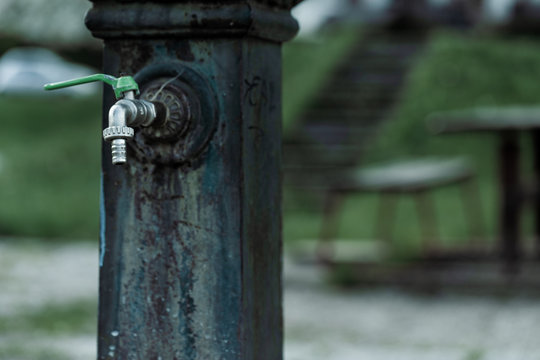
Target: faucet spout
(127,112)
(118,131)
(124,115)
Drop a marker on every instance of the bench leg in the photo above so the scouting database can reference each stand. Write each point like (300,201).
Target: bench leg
(472,209)
(329,226)
(385,217)
(427,220)
(510,201)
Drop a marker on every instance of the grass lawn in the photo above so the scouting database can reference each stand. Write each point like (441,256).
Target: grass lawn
(49,167)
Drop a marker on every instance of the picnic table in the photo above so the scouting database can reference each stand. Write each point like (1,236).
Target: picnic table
(507,123)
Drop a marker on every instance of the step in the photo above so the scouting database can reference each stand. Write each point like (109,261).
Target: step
(359,71)
(367,79)
(366,91)
(335,133)
(363,63)
(397,49)
(352,102)
(347,84)
(298,157)
(344,115)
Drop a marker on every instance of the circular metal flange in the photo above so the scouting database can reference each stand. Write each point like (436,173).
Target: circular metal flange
(182,108)
(191,115)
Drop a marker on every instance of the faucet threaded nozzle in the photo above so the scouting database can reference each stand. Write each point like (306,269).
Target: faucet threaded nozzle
(117,135)
(118,149)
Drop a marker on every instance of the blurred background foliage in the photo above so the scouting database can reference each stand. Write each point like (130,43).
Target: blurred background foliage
(50,165)
(50,146)
(458,70)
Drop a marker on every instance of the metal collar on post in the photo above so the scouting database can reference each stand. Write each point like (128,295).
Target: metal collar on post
(268,20)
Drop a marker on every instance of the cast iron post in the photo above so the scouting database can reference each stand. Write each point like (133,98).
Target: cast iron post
(191,226)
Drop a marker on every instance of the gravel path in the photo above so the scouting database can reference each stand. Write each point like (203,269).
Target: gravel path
(320,322)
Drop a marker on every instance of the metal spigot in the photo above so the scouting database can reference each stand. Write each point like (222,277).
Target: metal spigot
(125,114)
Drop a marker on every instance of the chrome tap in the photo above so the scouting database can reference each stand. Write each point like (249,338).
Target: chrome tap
(127,113)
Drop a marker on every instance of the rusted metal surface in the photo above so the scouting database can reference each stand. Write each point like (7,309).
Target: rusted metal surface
(191,228)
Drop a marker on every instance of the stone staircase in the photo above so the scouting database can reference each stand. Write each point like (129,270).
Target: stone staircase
(344,117)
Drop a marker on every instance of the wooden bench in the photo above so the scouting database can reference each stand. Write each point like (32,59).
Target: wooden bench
(417,178)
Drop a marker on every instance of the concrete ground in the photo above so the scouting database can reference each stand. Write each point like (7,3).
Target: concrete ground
(321,322)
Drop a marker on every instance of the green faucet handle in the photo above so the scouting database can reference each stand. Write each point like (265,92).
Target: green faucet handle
(120,85)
